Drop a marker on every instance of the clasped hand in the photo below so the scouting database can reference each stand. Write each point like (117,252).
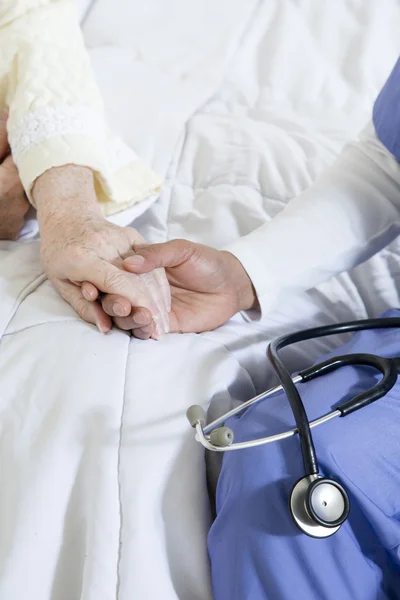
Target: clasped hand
(107,273)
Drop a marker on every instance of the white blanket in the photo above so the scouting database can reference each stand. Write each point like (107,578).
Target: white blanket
(239,105)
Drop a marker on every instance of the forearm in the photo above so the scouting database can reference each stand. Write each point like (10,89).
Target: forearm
(349,214)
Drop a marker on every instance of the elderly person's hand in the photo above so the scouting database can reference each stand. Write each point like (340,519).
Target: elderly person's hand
(208,286)
(79,245)
(13,202)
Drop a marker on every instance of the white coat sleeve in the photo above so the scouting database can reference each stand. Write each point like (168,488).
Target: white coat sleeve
(55,108)
(349,213)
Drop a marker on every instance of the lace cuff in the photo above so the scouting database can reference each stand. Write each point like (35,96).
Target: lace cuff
(52,137)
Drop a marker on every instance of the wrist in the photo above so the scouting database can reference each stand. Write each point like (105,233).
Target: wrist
(243,287)
(65,192)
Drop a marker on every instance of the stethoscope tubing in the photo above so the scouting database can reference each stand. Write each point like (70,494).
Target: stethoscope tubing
(204,441)
(293,396)
(247,404)
(386,366)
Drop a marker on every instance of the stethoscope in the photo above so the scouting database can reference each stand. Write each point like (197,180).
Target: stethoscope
(319,505)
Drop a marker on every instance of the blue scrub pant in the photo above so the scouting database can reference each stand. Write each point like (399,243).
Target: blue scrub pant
(256,550)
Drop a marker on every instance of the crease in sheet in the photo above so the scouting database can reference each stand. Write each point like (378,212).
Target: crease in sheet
(24,293)
(121,518)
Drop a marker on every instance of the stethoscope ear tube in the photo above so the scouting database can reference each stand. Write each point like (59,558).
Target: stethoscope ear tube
(386,366)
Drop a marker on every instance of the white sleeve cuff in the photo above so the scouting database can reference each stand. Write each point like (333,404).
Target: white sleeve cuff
(249,251)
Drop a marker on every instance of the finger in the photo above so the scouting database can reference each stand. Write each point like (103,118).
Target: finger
(89,291)
(158,288)
(111,280)
(139,317)
(164,286)
(161,319)
(116,306)
(144,333)
(91,312)
(169,254)
(4,149)
(142,291)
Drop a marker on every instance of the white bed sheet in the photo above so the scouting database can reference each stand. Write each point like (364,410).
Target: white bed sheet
(239,105)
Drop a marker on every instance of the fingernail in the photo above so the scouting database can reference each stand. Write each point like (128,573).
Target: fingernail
(86,295)
(146,329)
(158,338)
(165,322)
(159,322)
(158,334)
(166,325)
(103,328)
(140,318)
(135,260)
(118,310)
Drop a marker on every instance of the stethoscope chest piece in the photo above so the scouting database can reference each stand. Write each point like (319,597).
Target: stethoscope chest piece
(319,506)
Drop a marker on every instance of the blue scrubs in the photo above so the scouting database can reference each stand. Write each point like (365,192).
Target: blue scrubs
(386,113)
(256,551)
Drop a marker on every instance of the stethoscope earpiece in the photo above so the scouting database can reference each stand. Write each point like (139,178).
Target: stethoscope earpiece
(319,506)
(195,415)
(222,436)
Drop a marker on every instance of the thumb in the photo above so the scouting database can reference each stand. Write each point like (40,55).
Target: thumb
(156,256)
(3,135)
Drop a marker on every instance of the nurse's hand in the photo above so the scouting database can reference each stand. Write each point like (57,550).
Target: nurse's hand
(208,286)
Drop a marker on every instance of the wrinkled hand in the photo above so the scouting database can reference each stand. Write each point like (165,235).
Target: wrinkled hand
(207,286)
(13,202)
(80,246)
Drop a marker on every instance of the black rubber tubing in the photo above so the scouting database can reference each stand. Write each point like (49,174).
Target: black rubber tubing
(294,398)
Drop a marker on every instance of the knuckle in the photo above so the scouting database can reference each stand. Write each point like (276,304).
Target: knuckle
(114,280)
(125,324)
(95,239)
(106,302)
(83,309)
(74,254)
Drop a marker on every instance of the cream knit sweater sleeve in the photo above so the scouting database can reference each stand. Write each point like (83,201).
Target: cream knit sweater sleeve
(55,108)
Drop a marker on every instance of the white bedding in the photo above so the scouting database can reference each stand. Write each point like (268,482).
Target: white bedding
(239,105)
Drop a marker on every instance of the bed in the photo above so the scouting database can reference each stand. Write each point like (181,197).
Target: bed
(239,106)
